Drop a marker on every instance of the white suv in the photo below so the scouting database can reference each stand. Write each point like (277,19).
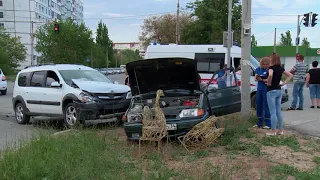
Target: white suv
(75,92)
(3,83)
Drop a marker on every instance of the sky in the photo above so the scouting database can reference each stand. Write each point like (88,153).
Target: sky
(124,17)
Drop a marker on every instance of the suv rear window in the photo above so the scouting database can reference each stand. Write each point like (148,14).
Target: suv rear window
(22,79)
(37,79)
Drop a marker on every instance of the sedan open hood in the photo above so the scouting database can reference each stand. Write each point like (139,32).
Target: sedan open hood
(163,73)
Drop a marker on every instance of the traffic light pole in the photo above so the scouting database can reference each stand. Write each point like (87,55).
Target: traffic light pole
(245,58)
(298,33)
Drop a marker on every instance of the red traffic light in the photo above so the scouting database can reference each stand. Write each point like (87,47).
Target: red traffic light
(56,27)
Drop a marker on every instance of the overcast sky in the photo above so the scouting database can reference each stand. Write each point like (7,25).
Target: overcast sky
(124,17)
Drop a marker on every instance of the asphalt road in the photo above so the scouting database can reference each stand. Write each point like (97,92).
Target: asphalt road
(12,132)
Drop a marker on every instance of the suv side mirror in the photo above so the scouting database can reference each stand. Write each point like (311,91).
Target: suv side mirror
(55,84)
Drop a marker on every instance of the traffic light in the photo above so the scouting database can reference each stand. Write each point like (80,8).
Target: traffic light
(314,19)
(56,28)
(306,20)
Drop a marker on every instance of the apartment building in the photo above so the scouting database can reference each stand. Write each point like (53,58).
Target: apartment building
(21,18)
(132,45)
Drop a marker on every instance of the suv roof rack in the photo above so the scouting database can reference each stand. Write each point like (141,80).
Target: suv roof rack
(39,65)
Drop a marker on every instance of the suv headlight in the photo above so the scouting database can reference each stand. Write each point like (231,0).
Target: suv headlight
(86,98)
(191,113)
(129,95)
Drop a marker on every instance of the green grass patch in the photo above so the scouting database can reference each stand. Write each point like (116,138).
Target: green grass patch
(283,171)
(290,141)
(78,155)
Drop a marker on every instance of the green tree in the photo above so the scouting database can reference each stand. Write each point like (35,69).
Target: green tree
(103,40)
(162,28)
(72,44)
(12,49)
(210,19)
(254,42)
(305,42)
(285,39)
(127,55)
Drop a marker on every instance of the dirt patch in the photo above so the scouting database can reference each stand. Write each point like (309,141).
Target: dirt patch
(284,155)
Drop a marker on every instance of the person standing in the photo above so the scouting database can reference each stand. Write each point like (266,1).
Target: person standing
(262,108)
(313,83)
(126,81)
(274,94)
(299,78)
(222,77)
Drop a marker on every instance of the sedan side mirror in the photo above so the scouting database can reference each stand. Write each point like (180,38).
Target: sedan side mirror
(55,84)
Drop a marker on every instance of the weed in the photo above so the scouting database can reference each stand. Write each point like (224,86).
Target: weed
(283,171)
(317,160)
(290,141)
(198,155)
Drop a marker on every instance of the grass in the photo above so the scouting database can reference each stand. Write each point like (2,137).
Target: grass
(90,154)
(290,141)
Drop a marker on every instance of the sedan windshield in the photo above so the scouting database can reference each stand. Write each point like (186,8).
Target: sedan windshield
(87,75)
(254,62)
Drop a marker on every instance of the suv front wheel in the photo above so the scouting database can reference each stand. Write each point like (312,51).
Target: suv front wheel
(70,116)
(20,114)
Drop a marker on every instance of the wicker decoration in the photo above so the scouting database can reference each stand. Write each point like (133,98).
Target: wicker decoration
(202,135)
(153,129)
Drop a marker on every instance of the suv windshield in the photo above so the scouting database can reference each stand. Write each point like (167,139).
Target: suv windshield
(87,75)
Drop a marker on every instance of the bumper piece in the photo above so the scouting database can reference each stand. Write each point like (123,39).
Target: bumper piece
(101,112)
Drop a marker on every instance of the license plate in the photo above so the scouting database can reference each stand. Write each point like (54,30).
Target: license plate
(171,127)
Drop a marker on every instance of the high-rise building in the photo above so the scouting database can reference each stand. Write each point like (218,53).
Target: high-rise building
(21,18)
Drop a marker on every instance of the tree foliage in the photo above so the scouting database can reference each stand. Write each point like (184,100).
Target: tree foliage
(105,43)
(305,42)
(162,28)
(127,55)
(210,20)
(285,39)
(72,44)
(254,42)
(12,50)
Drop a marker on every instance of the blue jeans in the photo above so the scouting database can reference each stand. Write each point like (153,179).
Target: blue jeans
(222,84)
(314,91)
(298,93)
(262,108)
(274,103)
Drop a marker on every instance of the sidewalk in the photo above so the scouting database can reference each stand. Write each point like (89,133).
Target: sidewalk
(305,122)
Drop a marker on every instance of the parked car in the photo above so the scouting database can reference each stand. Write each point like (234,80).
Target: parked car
(75,92)
(3,83)
(185,104)
(109,72)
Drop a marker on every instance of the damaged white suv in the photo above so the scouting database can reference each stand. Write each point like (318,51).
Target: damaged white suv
(74,92)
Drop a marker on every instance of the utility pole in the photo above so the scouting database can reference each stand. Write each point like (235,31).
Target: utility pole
(245,57)
(298,33)
(91,58)
(275,40)
(177,24)
(229,33)
(32,42)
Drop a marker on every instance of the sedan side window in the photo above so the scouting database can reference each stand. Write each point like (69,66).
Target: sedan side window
(51,77)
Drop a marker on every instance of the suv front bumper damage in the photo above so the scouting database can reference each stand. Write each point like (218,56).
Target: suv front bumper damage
(102,112)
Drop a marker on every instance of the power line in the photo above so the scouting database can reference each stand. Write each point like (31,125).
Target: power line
(265,35)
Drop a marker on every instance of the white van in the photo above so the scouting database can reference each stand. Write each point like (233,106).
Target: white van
(209,58)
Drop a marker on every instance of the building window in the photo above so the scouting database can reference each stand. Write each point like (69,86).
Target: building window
(1,4)
(1,25)
(1,14)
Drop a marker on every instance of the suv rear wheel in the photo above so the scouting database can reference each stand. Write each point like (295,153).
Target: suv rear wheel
(20,114)
(4,92)
(70,116)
